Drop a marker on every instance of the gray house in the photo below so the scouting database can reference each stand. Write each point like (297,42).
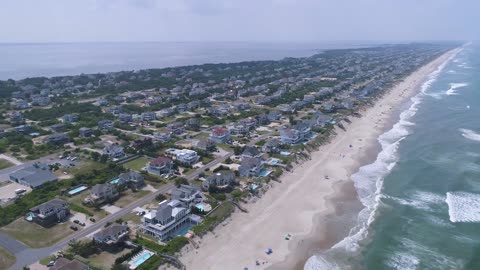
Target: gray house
(114,151)
(111,235)
(101,193)
(33,176)
(272,146)
(49,213)
(160,165)
(132,179)
(187,195)
(250,167)
(251,152)
(85,132)
(220,179)
(57,139)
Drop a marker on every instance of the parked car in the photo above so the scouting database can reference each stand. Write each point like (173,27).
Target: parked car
(76,221)
(73,227)
(92,219)
(51,263)
(81,224)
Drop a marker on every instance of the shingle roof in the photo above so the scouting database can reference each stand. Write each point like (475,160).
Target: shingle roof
(160,161)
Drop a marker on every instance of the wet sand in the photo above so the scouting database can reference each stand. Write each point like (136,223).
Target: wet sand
(316,211)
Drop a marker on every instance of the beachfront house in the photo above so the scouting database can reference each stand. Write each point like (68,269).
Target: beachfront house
(290,136)
(49,213)
(187,195)
(111,235)
(160,166)
(219,180)
(250,167)
(167,220)
(272,146)
(34,175)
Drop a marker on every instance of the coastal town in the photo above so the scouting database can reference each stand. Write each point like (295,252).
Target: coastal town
(127,170)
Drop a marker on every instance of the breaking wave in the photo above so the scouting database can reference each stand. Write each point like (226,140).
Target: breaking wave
(470,134)
(463,206)
(454,87)
(368,182)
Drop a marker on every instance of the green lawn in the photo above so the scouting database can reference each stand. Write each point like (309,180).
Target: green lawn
(105,260)
(6,259)
(129,197)
(5,164)
(86,166)
(77,206)
(224,210)
(35,235)
(136,164)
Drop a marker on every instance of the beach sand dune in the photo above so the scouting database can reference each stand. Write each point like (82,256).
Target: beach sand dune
(305,199)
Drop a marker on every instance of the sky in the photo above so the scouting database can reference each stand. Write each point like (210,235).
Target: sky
(237,20)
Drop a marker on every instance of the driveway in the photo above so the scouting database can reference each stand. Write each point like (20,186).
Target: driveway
(11,159)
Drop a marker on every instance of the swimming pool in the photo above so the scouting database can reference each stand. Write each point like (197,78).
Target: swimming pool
(264,172)
(285,153)
(115,181)
(29,217)
(185,230)
(77,190)
(143,256)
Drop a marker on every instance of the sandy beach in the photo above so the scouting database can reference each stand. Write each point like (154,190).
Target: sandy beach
(305,200)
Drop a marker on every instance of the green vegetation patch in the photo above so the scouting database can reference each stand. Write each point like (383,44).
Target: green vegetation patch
(7,259)
(35,235)
(136,164)
(5,164)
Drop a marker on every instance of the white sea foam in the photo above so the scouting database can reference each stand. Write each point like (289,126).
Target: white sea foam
(403,261)
(454,87)
(423,200)
(368,180)
(470,134)
(463,206)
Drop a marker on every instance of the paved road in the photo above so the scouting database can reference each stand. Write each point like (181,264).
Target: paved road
(26,256)
(29,256)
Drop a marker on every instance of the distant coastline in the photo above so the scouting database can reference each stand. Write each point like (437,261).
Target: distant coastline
(21,60)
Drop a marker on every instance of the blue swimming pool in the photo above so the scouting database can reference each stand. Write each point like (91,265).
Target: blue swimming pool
(285,153)
(265,172)
(200,206)
(115,181)
(145,255)
(184,230)
(77,190)
(29,217)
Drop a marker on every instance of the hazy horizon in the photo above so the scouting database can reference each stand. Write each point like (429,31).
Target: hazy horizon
(54,21)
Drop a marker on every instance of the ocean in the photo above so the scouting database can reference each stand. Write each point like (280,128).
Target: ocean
(421,196)
(21,60)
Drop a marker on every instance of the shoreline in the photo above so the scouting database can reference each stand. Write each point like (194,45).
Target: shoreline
(309,207)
